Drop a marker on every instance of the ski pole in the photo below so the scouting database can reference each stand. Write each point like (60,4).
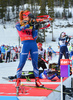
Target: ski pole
(45,60)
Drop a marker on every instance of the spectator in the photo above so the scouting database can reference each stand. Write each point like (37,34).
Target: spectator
(16,52)
(71,50)
(3,51)
(8,54)
(50,52)
(12,54)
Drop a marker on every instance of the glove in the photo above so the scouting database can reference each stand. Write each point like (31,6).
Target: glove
(31,23)
(37,25)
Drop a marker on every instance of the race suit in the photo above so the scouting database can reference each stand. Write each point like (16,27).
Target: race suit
(63,42)
(28,35)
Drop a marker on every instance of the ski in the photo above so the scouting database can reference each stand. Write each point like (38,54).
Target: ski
(6,78)
(67,93)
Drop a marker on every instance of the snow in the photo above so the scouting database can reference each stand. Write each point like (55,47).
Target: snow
(8,36)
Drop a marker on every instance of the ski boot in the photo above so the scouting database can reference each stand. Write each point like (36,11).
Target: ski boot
(38,83)
(17,86)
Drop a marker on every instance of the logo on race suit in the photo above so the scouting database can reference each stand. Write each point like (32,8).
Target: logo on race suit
(64,62)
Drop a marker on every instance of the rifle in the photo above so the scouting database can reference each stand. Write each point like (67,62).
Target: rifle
(71,37)
(39,20)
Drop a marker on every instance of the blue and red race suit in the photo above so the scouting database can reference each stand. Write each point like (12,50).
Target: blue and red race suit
(28,37)
(63,48)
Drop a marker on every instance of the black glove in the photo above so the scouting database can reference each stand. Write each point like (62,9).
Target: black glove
(31,23)
(68,38)
(37,24)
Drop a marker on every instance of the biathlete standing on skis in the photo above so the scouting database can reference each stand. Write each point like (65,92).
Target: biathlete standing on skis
(63,42)
(28,35)
(41,56)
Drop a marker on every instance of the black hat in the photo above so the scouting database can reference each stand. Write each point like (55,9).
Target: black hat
(31,15)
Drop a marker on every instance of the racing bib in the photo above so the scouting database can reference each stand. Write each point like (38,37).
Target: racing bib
(26,34)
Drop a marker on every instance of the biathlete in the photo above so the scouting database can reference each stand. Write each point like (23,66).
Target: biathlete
(41,56)
(50,52)
(28,35)
(63,42)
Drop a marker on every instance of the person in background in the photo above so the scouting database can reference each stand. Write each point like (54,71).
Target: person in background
(41,50)
(3,51)
(50,52)
(0,56)
(8,51)
(41,56)
(19,50)
(63,42)
(28,35)
(12,54)
(16,52)
(71,50)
